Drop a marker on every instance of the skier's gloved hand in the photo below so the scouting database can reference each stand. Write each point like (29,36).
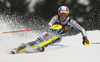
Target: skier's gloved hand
(85,41)
(56,27)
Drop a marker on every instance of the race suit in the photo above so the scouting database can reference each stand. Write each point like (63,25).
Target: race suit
(56,35)
(66,25)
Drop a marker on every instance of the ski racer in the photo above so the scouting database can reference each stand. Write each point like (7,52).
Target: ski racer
(58,26)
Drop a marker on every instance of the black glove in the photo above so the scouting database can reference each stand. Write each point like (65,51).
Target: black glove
(85,41)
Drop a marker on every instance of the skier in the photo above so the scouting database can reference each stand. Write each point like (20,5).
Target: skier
(58,26)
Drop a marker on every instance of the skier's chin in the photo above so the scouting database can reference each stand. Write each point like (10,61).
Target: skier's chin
(62,18)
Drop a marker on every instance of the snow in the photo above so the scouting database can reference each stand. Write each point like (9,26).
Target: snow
(73,51)
(83,2)
(32,4)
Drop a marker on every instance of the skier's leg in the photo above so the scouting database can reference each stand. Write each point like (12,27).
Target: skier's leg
(41,42)
(56,40)
(48,38)
(21,47)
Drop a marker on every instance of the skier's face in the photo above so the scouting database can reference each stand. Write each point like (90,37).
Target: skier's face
(62,18)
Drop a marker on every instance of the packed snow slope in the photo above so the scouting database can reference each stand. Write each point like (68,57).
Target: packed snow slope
(72,51)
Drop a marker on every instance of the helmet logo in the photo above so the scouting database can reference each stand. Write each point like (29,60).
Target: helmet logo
(66,9)
(59,10)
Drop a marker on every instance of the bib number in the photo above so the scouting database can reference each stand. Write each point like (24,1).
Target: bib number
(65,28)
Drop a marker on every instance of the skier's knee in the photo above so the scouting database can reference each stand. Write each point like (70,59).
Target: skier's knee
(31,43)
(21,47)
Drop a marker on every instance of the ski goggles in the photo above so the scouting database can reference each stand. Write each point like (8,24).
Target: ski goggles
(63,14)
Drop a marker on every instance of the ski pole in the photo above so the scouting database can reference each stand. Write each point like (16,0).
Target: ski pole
(94,43)
(56,27)
(23,30)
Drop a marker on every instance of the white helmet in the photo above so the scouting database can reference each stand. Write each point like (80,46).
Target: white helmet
(63,9)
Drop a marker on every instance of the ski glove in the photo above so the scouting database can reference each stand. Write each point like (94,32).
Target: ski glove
(56,27)
(85,41)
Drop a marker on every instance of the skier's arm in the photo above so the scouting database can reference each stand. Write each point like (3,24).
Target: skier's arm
(75,25)
(53,23)
(55,26)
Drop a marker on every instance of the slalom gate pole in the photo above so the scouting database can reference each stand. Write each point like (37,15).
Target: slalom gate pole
(23,30)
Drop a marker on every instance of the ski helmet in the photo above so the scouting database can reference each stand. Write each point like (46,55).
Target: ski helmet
(63,10)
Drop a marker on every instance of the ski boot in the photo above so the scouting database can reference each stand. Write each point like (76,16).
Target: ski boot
(14,51)
(41,49)
(20,49)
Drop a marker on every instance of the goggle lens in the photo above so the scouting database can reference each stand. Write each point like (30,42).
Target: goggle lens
(63,14)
